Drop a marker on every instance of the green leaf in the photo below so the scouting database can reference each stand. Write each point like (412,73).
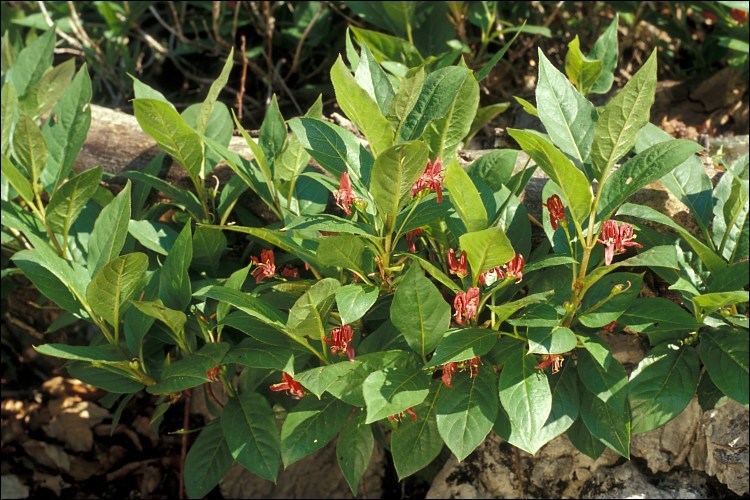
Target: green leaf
(207,461)
(371,77)
(174,320)
(32,62)
(155,236)
(30,148)
(393,390)
(419,311)
(354,450)
(99,353)
(575,187)
(505,311)
(68,200)
(405,99)
(393,175)
(190,371)
(208,246)
(165,125)
(463,344)
(487,68)
(731,208)
(494,168)
(609,384)
(115,284)
(174,283)
(415,444)
(361,109)
(709,303)
(565,403)
(388,48)
(185,198)
(584,441)
(10,114)
(354,300)
(555,340)
(264,349)
(465,198)
(584,72)
(310,426)
(527,106)
(110,230)
(272,132)
(45,93)
(724,351)
(646,167)
(567,116)
(207,106)
(661,319)
(594,313)
(597,349)
(486,249)
(466,411)
(17,180)
(526,397)
(250,431)
(621,119)
(610,426)
(661,386)
(605,49)
(331,223)
(318,380)
(252,306)
(103,378)
(308,316)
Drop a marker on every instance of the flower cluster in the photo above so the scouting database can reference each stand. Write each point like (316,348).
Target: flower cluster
(514,268)
(556,211)
(491,276)
(340,341)
(466,304)
(291,386)
(431,179)
(450,368)
(457,266)
(265,267)
(344,195)
(616,240)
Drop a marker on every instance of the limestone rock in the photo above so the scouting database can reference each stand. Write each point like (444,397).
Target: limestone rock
(627,481)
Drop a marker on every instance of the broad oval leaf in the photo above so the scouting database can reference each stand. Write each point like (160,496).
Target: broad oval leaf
(486,249)
(110,230)
(609,384)
(555,340)
(354,450)
(463,344)
(393,175)
(354,300)
(724,351)
(309,315)
(465,198)
(207,461)
(68,200)
(310,426)
(115,284)
(190,371)
(609,425)
(415,444)
(393,390)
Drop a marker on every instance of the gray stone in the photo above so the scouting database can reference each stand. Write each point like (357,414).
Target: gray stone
(11,487)
(627,481)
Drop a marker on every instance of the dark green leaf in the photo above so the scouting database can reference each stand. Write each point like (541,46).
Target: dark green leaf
(393,390)
(393,175)
(463,344)
(100,353)
(174,283)
(207,461)
(110,230)
(609,384)
(555,340)
(465,198)
(354,450)
(610,426)
(415,444)
(310,426)
(190,371)
(724,351)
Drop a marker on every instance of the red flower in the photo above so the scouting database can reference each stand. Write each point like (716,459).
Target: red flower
(556,210)
(555,360)
(610,327)
(291,386)
(344,195)
(459,266)
(448,370)
(213,373)
(400,416)
(466,305)
(616,240)
(515,267)
(709,16)
(290,272)
(265,266)
(431,179)
(739,15)
(489,277)
(474,366)
(410,236)
(340,341)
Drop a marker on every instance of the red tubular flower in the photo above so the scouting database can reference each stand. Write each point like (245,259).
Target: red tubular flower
(491,276)
(739,15)
(610,327)
(556,210)
(466,305)
(291,386)
(616,240)
(290,272)
(400,416)
(265,267)
(448,370)
(411,236)
(431,179)
(213,373)
(340,341)
(515,267)
(474,366)
(554,360)
(459,266)
(344,195)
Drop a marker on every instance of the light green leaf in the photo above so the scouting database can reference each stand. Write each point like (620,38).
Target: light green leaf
(605,48)
(584,72)
(486,249)
(354,300)
(555,340)
(310,426)
(393,390)
(68,200)
(115,284)
(99,353)
(19,182)
(415,444)
(309,315)
(393,175)
(207,106)
(609,384)
(463,344)
(465,198)
(32,62)
(30,148)
(110,230)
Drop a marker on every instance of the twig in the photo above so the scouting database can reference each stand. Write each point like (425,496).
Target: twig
(184,440)
(241,92)
(176,32)
(298,50)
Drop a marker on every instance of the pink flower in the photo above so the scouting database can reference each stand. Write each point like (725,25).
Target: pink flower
(556,210)
(410,236)
(459,266)
(466,305)
(291,386)
(555,360)
(515,267)
(431,179)
(616,240)
(491,276)
(265,267)
(340,341)
(344,195)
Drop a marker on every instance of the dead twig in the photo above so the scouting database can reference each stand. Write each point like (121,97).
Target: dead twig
(241,92)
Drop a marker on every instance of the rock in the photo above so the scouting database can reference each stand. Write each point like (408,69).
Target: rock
(627,481)
(668,447)
(722,446)
(12,487)
(315,476)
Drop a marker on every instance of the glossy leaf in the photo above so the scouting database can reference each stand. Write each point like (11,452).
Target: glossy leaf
(605,48)
(555,340)
(661,319)
(415,444)
(174,283)
(250,305)
(100,353)
(371,77)
(486,249)
(393,390)
(155,236)
(724,351)
(609,425)
(208,246)
(308,316)
(311,425)
(30,148)
(354,300)
(598,309)
(190,371)
(68,200)
(463,344)
(609,384)
(565,403)
(465,198)
(393,175)
(583,71)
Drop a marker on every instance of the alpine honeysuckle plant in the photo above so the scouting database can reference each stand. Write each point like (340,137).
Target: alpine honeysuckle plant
(395,290)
